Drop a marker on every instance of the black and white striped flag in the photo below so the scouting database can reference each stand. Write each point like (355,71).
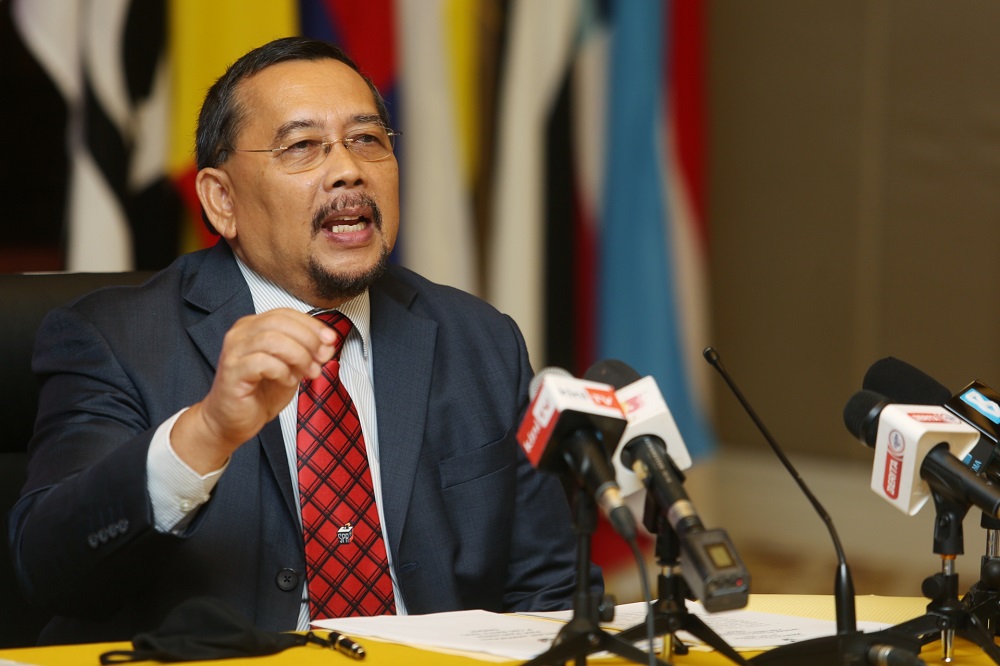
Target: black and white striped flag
(106,58)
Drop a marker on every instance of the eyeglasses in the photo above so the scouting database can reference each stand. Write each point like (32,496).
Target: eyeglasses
(369,143)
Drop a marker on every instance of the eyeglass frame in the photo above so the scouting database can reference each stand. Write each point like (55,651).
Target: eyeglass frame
(328,147)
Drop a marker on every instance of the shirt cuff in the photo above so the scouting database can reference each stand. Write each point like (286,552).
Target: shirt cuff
(176,491)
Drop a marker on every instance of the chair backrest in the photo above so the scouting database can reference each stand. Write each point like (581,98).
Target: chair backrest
(24,300)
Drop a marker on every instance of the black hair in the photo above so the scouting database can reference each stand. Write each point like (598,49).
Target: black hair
(222,113)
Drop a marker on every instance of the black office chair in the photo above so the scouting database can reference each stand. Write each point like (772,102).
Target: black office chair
(24,300)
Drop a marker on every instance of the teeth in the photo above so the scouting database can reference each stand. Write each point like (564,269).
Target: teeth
(344,228)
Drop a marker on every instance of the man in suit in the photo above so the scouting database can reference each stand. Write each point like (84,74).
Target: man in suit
(164,461)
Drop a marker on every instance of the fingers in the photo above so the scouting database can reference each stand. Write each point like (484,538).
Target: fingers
(263,359)
(280,345)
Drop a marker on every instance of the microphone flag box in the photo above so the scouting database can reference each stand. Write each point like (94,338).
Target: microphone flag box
(562,405)
(647,414)
(906,434)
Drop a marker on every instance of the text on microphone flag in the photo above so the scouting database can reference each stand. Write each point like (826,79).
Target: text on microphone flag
(933,417)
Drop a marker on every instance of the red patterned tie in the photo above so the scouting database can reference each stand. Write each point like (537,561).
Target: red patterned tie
(346,564)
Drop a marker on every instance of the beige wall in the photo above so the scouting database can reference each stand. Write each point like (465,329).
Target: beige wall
(854,203)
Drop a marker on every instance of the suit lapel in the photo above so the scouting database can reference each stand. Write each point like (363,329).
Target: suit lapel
(403,347)
(219,290)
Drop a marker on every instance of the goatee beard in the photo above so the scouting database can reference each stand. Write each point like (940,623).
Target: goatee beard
(333,287)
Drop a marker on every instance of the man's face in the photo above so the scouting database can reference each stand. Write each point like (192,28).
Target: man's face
(325,233)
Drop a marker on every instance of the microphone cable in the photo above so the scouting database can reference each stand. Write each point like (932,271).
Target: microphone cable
(647,595)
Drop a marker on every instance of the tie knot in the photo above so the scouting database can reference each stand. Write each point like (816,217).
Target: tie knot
(338,322)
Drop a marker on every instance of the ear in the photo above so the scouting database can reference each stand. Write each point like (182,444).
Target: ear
(215,193)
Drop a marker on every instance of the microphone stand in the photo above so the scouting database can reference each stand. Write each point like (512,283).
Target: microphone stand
(946,616)
(670,613)
(848,646)
(983,598)
(583,635)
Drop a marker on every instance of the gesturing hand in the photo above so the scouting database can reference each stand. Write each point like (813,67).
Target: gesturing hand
(263,359)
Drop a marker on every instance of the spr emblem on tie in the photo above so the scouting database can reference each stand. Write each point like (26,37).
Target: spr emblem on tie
(345,534)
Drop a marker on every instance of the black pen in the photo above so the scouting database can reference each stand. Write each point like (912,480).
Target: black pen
(346,645)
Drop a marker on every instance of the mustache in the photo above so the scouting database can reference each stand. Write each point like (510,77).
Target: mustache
(347,201)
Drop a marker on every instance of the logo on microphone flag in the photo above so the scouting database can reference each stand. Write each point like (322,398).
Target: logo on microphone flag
(602,397)
(893,464)
(982,404)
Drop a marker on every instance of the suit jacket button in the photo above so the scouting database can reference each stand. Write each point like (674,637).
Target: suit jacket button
(93,541)
(288,579)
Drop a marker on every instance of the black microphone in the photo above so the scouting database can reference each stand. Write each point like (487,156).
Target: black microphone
(710,564)
(849,646)
(570,425)
(901,382)
(976,404)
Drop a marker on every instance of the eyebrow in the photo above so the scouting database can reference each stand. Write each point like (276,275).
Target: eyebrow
(292,126)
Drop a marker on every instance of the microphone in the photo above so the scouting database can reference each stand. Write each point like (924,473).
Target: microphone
(710,565)
(976,404)
(843,586)
(848,646)
(647,414)
(913,445)
(902,383)
(571,424)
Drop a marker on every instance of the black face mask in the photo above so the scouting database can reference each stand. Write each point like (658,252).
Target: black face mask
(205,628)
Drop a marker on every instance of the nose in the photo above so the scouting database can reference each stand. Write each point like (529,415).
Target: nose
(343,168)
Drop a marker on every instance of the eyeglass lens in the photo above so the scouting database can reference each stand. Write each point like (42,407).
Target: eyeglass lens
(369,144)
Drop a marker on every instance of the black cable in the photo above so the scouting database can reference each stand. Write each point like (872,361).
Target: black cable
(647,597)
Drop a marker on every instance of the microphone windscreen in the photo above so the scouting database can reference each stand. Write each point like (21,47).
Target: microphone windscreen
(861,415)
(536,381)
(610,371)
(902,383)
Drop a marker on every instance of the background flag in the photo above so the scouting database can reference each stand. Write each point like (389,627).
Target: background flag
(106,59)
(539,42)
(640,275)
(204,39)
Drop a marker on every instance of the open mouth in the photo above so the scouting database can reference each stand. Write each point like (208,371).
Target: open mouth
(343,224)
(351,216)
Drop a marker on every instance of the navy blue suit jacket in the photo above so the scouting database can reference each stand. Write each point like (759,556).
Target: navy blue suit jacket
(470,523)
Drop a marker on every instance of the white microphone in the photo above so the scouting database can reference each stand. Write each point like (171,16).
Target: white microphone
(646,413)
(571,424)
(910,460)
(710,564)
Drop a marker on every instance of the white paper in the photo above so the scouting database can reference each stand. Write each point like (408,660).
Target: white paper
(509,636)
